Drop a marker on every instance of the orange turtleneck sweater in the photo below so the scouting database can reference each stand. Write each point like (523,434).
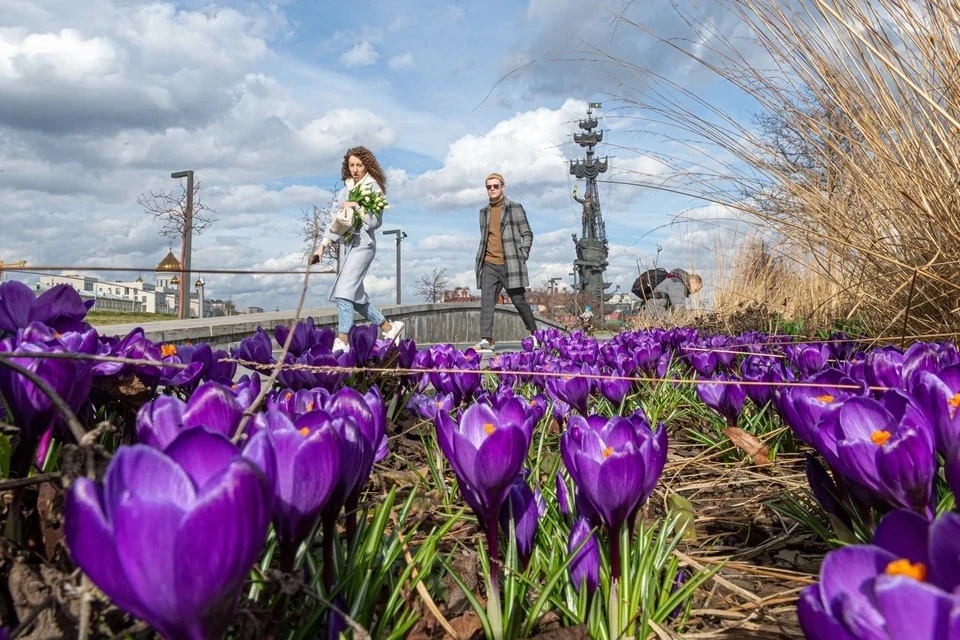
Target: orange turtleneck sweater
(494,254)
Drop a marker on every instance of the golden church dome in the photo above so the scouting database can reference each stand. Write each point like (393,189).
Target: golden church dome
(169,263)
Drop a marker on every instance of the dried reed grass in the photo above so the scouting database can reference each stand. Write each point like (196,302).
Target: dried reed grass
(859,188)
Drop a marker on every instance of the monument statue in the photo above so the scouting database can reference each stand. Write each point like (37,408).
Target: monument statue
(591,247)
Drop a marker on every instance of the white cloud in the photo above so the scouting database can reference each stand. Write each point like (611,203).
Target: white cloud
(404,61)
(527,149)
(531,150)
(338,129)
(252,198)
(361,54)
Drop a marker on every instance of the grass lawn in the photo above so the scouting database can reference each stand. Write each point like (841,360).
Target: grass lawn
(100,318)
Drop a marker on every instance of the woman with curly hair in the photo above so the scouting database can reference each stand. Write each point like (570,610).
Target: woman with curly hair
(360,167)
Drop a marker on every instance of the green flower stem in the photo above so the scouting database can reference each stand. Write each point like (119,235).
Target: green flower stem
(494,614)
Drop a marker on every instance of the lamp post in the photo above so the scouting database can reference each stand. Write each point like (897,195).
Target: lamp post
(199,285)
(553,297)
(187,247)
(400,235)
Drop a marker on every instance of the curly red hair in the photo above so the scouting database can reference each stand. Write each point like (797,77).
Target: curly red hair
(369,163)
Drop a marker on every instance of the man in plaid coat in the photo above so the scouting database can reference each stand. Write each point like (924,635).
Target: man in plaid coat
(505,241)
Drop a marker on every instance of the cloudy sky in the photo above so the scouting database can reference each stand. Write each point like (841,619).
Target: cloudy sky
(100,100)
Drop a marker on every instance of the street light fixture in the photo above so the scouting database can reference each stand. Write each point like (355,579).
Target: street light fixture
(400,235)
(186,248)
(553,297)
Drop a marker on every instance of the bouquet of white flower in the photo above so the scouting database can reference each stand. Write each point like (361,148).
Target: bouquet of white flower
(372,202)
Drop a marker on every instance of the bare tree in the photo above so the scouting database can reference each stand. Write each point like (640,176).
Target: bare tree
(170,207)
(430,286)
(313,221)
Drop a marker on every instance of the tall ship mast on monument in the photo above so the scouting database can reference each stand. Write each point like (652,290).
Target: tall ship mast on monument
(592,248)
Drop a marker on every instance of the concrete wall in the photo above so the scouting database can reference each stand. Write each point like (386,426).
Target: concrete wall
(426,323)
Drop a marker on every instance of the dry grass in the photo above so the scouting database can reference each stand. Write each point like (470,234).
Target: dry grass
(761,275)
(860,181)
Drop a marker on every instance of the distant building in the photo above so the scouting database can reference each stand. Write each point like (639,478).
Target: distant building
(460,294)
(254,310)
(625,302)
(463,294)
(163,296)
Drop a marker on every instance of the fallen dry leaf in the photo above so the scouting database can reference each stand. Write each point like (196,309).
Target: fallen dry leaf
(578,632)
(467,626)
(749,444)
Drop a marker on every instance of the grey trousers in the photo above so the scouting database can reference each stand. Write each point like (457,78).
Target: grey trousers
(492,280)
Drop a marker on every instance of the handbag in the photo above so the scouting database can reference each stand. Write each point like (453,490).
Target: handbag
(341,222)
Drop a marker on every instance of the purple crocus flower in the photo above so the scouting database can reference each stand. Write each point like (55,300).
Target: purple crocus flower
(316,356)
(137,346)
(486,450)
(144,536)
(615,464)
(615,389)
(758,369)
(939,393)
(213,406)
(305,336)
(246,389)
(257,348)
(362,340)
(60,307)
(678,583)
(803,407)
(212,364)
(31,409)
(308,463)
(703,362)
(561,411)
(883,368)
(809,359)
(585,566)
(572,388)
(724,396)
(563,495)
(901,586)
(522,505)
(427,406)
(663,364)
(886,446)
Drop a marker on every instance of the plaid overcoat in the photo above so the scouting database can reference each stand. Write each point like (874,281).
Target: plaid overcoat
(517,240)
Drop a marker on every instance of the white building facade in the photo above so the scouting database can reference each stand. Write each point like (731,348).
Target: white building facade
(161,297)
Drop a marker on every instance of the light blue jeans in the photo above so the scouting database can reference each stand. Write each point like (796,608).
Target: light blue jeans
(345,309)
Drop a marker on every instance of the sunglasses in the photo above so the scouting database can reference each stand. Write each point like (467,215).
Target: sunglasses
(493,187)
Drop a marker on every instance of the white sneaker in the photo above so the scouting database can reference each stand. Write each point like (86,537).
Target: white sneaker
(340,345)
(484,345)
(396,328)
(536,343)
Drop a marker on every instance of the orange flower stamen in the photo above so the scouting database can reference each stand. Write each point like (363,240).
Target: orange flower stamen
(489,428)
(305,432)
(827,398)
(310,406)
(607,452)
(903,567)
(880,438)
(168,350)
(954,403)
